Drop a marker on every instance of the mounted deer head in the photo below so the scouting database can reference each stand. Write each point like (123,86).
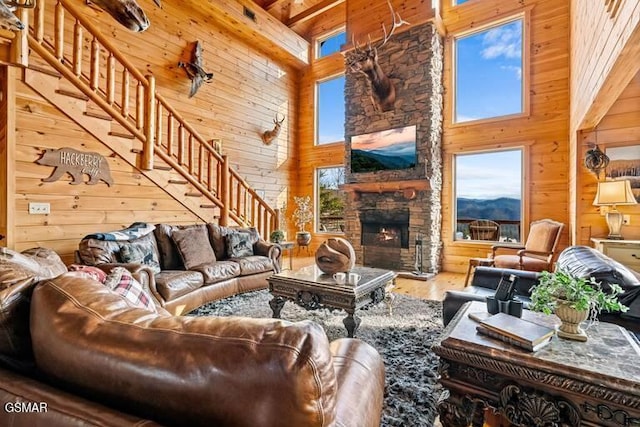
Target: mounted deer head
(8,19)
(269,135)
(126,12)
(365,61)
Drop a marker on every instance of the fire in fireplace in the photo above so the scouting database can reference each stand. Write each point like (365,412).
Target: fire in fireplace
(388,229)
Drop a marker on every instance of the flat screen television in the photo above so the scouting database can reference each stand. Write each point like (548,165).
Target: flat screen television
(384,150)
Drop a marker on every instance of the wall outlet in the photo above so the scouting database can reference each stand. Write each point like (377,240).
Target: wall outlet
(39,208)
(626,219)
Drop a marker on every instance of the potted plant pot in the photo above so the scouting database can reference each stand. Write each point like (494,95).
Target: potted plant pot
(303,238)
(571,319)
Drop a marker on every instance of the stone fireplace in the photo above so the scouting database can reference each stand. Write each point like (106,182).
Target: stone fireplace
(387,210)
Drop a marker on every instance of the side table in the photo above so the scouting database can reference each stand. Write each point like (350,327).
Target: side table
(289,247)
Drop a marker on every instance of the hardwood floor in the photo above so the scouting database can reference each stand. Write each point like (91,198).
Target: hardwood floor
(432,289)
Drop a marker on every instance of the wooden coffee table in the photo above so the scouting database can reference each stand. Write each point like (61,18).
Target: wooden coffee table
(311,289)
(566,383)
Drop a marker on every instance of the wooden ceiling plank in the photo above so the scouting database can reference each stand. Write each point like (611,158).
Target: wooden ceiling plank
(265,31)
(312,12)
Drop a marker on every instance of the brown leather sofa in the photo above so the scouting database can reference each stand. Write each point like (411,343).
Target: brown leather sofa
(186,279)
(91,358)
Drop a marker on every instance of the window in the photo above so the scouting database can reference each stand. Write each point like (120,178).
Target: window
(488,186)
(331,43)
(330,200)
(330,111)
(488,73)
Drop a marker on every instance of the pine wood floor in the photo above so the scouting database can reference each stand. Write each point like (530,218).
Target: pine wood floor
(432,289)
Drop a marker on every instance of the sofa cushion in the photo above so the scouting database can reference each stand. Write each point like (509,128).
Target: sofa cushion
(122,282)
(172,284)
(169,255)
(19,272)
(140,251)
(238,244)
(585,262)
(194,247)
(218,271)
(254,264)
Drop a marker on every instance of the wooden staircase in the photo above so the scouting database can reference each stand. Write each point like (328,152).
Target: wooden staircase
(119,106)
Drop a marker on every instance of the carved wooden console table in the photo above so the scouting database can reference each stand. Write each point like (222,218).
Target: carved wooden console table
(311,289)
(567,383)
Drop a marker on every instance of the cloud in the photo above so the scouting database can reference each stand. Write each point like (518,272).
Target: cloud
(475,182)
(503,41)
(515,69)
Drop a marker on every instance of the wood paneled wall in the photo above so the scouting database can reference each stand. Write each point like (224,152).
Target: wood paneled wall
(544,131)
(605,57)
(247,90)
(619,127)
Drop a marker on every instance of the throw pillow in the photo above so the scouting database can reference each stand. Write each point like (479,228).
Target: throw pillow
(239,245)
(122,282)
(194,246)
(94,273)
(140,253)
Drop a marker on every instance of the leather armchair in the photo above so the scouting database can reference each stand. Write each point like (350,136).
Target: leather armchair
(538,251)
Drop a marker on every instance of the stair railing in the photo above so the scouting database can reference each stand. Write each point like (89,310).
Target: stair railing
(115,85)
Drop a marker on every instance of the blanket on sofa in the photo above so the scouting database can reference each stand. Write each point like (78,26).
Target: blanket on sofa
(134,231)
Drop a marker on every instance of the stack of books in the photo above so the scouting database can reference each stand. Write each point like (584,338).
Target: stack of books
(516,331)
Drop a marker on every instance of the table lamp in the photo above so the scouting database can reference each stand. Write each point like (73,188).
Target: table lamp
(612,193)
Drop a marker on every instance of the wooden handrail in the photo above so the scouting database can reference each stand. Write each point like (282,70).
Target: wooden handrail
(194,158)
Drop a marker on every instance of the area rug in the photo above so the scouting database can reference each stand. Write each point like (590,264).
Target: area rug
(404,340)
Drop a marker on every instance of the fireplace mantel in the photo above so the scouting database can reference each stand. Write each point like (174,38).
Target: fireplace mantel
(408,187)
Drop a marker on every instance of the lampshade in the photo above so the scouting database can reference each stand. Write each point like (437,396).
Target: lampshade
(614,193)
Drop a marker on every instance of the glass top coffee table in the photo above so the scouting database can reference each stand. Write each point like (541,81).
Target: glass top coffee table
(311,289)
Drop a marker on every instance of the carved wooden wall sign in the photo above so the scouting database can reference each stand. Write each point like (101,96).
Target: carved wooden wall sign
(76,164)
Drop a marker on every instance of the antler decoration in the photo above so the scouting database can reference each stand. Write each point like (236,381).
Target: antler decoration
(194,69)
(595,160)
(269,135)
(383,92)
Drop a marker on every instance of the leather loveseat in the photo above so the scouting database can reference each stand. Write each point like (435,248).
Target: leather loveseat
(187,266)
(73,352)
(579,261)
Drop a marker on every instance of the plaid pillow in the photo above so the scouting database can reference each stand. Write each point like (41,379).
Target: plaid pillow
(122,282)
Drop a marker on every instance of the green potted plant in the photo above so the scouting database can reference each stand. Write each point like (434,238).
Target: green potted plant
(276,236)
(573,300)
(302,216)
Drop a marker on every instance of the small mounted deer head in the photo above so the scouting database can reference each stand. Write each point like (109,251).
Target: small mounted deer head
(8,19)
(365,61)
(269,135)
(126,12)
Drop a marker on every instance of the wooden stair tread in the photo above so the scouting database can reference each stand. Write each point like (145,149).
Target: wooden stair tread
(44,70)
(178,181)
(122,135)
(193,194)
(77,95)
(161,167)
(98,115)
(208,207)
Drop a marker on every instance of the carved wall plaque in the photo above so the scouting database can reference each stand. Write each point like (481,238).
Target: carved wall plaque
(76,164)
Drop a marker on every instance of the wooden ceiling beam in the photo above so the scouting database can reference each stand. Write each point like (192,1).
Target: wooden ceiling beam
(264,31)
(312,12)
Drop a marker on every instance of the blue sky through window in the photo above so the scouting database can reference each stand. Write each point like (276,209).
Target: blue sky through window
(330,111)
(331,44)
(489,73)
(489,175)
